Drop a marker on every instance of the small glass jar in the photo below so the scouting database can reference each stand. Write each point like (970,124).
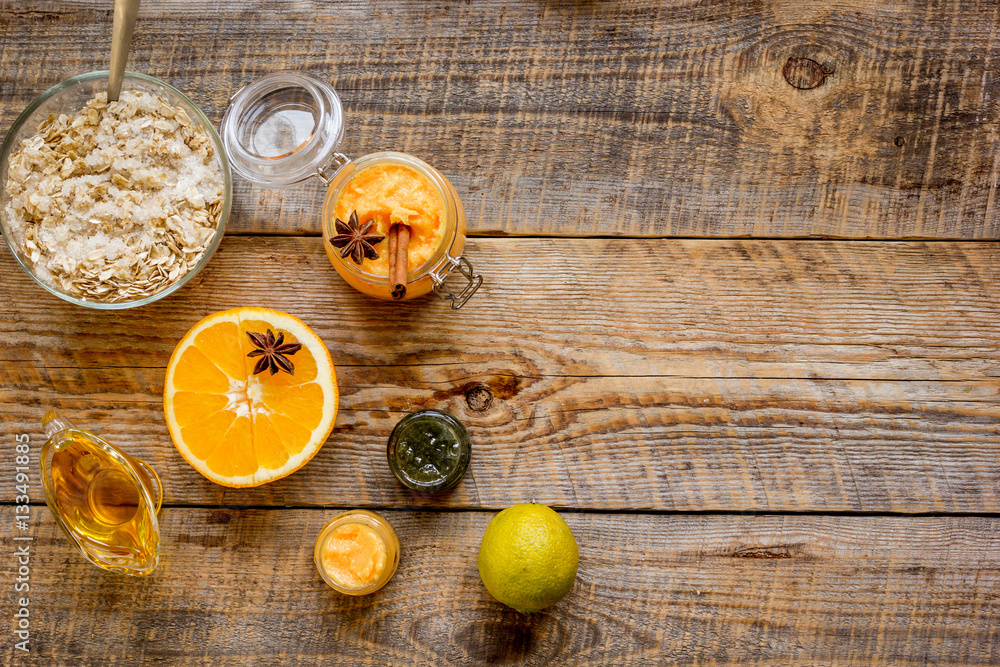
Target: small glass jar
(382,530)
(429,451)
(287,127)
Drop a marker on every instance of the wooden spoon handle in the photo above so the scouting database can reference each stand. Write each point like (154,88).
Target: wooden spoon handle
(121,40)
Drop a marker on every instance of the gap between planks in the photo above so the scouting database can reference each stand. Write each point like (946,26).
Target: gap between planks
(569,510)
(665,237)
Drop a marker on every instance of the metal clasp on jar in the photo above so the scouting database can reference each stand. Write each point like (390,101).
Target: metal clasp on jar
(474,281)
(338,159)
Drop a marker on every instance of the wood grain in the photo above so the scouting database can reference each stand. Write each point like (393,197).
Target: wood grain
(627,118)
(239,585)
(684,375)
(599,374)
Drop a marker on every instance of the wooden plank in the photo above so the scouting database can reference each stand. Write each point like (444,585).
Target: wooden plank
(627,118)
(684,375)
(239,585)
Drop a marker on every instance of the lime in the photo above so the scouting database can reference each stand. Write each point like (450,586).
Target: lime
(528,557)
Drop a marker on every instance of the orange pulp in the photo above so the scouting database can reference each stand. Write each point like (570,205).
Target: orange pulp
(391,194)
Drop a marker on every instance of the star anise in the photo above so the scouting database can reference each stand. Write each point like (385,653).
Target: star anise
(355,240)
(272,352)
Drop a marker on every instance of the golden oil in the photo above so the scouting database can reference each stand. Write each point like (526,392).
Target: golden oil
(104,500)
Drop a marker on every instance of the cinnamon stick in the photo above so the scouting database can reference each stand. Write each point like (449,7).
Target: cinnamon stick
(393,241)
(399,243)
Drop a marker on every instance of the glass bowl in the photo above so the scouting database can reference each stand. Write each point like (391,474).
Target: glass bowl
(72,95)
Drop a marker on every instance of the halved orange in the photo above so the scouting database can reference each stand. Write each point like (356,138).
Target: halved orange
(240,428)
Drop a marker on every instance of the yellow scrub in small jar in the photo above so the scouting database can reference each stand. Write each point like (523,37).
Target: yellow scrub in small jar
(356,552)
(390,194)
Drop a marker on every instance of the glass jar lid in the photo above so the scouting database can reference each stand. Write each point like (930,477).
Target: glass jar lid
(283,128)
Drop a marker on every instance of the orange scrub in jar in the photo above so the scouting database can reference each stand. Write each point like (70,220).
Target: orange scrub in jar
(389,194)
(356,552)
(382,190)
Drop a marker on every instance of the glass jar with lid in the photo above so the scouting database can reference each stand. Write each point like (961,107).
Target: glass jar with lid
(287,127)
(357,552)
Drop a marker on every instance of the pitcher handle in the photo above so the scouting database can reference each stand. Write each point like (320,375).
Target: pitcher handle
(154,478)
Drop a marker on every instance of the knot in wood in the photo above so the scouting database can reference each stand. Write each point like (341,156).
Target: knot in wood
(776,551)
(479,398)
(804,73)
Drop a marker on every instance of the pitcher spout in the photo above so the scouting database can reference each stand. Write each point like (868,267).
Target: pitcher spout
(53,422)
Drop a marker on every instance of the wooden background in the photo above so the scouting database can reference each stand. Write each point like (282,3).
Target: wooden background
(745,336)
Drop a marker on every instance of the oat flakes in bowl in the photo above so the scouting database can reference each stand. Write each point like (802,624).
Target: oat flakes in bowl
(113,206)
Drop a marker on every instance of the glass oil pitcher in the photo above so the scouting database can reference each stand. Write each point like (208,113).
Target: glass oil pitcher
(103,499)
